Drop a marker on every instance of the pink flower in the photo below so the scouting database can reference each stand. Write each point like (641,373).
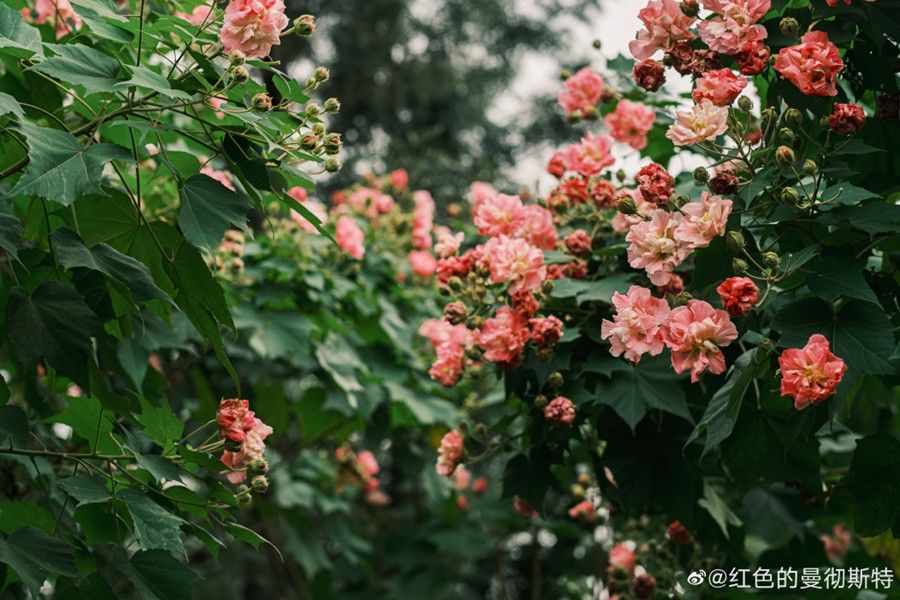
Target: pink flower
(655,248)
(198,16)
(705,121)
(239,425)
(582,91)
(440,332)
(812,65)
(720,86)
(481,191)
(664,24)
(449,453)
(498,214)
(253,26)
(448,243)
(738,294)
(590,156)
(703,221)
(622,557)
(350,237)
(448,365)
(630,122)
(546,331)
(579,242)
(317,209)
(556,166)
(733,27)
(695,334)
(216,104)
(220,176)
(423,219)
(298,193)
(583,511)
(560,411)
(810,374)
(234,419)
(422,262)
(58,12)
(515,261)
(399,179)
(537,227)
(838,544)
(462,477)
(367,462)
(636,328)
(655,183)
(503,336)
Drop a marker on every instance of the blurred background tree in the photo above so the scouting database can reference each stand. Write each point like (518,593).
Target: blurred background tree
(426,85)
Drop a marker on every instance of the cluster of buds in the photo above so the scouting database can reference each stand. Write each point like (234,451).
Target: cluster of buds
(229,255)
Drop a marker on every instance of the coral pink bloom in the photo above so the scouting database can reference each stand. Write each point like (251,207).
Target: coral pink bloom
(253,26)
(462,477)
(481,191)
(703,221)
(350,237)
(317,209)
(59,13)
(636,328)
(441,332)
(733,27)
(234,419)
(704,121)
(448,365)
(560,411)
(216,104)
(583,511)
(448,243)
(233,415)
(590,156)
(719,86)
(655,248)
(622,223)
(630,122)
(422,262)
(399,179)
(198,16)
(581,92)
(423,219)
(449,453)
(537,227)
(515,261)
(499,214)
(367,462)
(664,25)
(738,294)
(546,331)
(221,176)
(622,557)
(695,333)
(812,65)
(503,336)
(810,374)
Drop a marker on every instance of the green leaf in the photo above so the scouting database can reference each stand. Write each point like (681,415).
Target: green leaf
(10,234)
(54,323)
(292,204)
(158,576)
(60,168)
(768,522)
(207,209)
(875,217)
(340,361)
(91,422)
(721,414)
(859,332)
(36,556)
(99,8)
(840,276)
(77,64)
(160,424)
(274,334)
(143,77)
(8,104)
(16,36)
(154,526)
(17,513)
(873,483)
(13,426)
(251,537)
(844,194)
(717,508)
(636,389)
(86,489)
(426,409)
(133,275)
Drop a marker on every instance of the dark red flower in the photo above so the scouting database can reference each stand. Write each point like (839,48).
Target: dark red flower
(738,294)
(649,74)
(847,119)
(655,183)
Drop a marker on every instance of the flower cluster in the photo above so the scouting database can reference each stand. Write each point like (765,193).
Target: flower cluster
(244,434)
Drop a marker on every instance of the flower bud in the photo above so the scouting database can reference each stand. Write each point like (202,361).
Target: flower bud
(789,195)
(262,102)
(332,143)
(735,241)
(455,313)
(621,175)
(627,206)
(771,260)
(240,74)
(785,156)
(597,44)
(332,105)
(766,344)
(786,135)
(258,465)
(259,483)
(555,380)
(547,286)
(591,114)
(565,74)
(245,501)
(745,103)
(313,109)
(236,57)
(305,25)
(477,322)
(689,8)
(789,26)
(318,129)
(701,175)
(739,266)
(321,74)
(332,165)
(810,167)
(793,117)
(540,401)
(309,141)
(455,283)
(679,201)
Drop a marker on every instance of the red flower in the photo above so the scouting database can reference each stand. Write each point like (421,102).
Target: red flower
(678,534)
(753,59)
(557,165)
(724,183)
(847,119)
(578,242)
(810,374)
(655,183)
(738,295)
(649,74)
(560,411)
(235,419)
